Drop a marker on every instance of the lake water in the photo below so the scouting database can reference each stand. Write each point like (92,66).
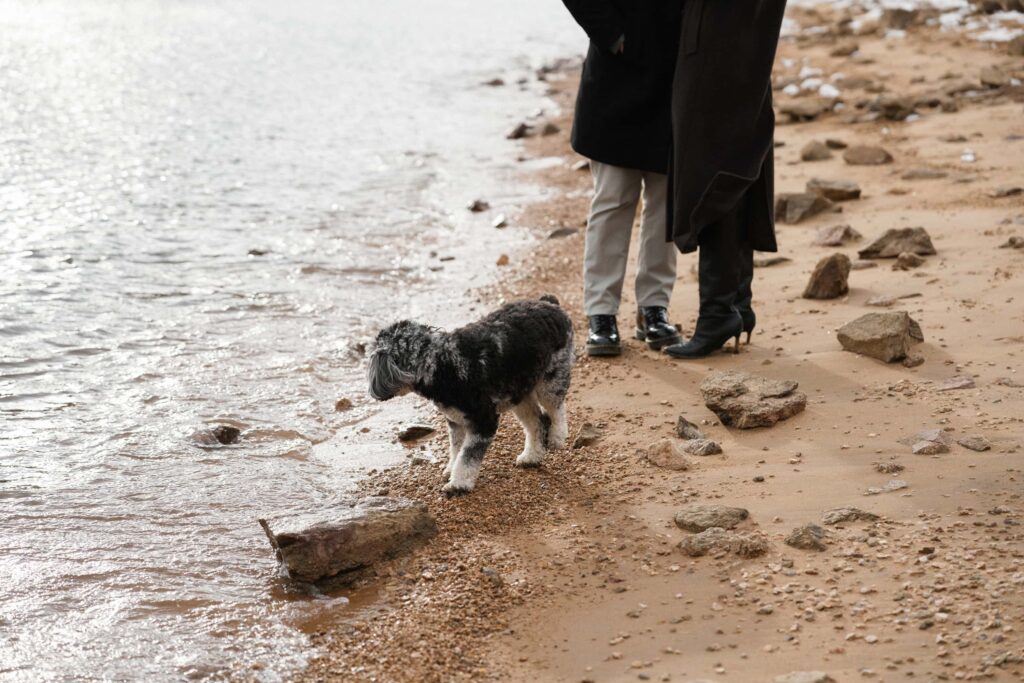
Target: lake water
(205,207)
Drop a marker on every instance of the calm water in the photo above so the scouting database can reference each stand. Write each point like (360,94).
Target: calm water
(146,147)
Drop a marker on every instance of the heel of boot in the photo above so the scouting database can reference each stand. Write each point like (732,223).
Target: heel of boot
(749,332)
(736,345)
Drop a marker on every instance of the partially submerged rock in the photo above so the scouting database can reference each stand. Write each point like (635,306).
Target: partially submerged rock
(865,155)
(221,435)
(923,173)
(891,485)
(701,447)
(805,677)
(954,383)
(794,207)
(746,401)
(769,261)
(836,236)
(667,454)
(804,109)
(587,435)
(830,278)
(907,261)
(835,190)
(937,435)
(929,448)
(807,537)
(718,540)
(356,535)
(897,241)
(415,431)
(974,443)
(886,336)
(815,150)
(847,514)
(688,430)
(697,518)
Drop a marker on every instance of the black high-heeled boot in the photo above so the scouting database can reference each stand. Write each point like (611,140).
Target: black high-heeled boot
(744,295)
(719,279)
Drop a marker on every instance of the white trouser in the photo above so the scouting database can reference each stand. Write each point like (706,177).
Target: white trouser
(616,195)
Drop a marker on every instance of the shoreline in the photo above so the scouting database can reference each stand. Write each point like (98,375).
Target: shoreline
(572,572)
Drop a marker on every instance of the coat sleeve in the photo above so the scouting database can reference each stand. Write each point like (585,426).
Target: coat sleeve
(599,19)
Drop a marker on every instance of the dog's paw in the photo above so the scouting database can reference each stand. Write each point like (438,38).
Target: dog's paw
(452,491)
(528,459)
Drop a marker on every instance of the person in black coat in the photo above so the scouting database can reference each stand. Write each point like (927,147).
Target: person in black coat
(721,177)
(623,125)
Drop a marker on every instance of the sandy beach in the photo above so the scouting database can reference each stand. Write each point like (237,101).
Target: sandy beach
(573,572)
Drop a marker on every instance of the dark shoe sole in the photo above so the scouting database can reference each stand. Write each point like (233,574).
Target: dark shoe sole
(604,350)
(658,344)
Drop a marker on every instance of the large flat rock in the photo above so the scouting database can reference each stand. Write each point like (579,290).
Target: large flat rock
(699,518)
(897,241)
(747,401)
(355,535)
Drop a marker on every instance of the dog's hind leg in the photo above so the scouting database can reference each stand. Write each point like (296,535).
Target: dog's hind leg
(530,416)
(456,436)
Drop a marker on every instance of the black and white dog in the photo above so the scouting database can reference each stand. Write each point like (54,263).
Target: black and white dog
(518,358)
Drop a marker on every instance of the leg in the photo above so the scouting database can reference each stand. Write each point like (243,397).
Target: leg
(479,432)
(456,437)
(551,395)
(656,262)
(606,248)
(528,412)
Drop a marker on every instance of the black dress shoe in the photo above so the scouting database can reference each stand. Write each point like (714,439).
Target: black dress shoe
(653,327)
(603,339)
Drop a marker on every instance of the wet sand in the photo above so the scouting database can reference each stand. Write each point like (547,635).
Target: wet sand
(572,572)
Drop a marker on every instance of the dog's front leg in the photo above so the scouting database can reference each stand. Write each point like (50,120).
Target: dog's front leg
(467,463)
(456,437)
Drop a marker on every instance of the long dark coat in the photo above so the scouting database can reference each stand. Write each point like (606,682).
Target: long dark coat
(624,101)
(722,120)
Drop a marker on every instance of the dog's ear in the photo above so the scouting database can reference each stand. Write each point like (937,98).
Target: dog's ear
(384,376)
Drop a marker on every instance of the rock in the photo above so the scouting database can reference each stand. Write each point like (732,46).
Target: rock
(804,109)
(718,540)
(549,129)
(805,677)
(892,485)
(907,261)
(974,443)
(317,546)
(923,173)
(889,467)
(667,454)
(953,383)
(343,404)
(929,448)
(687,430)
(697,518)
(844,48)
(895,241)
(834,190)
(993,77)
(886,336)
(1016,46)
(815,150)
(559,233)
(900,18)
(255,252)
(1006,191)
(865,155)
(520,131)
(836,236)
(936,435)
(746,401)
(893,107)
(829,279)
(701,447)
(581,165)
(1015,242)
(847,514)
(226,434)
(793,207)
(1009,382)
(862,265)
(768,261)
(500,221)
(478,205)
(503,260)
(833,143)
(882,301)
(913,360)
(807,537)
(414,432)
(588,435)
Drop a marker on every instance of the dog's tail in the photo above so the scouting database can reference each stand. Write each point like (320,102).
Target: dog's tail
(551,299)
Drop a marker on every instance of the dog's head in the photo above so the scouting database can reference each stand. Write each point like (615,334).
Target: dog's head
(391,372)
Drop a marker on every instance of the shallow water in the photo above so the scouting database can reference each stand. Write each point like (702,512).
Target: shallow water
(146,148)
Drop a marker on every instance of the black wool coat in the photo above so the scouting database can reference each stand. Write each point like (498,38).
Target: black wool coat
(624,101)
(722,120)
